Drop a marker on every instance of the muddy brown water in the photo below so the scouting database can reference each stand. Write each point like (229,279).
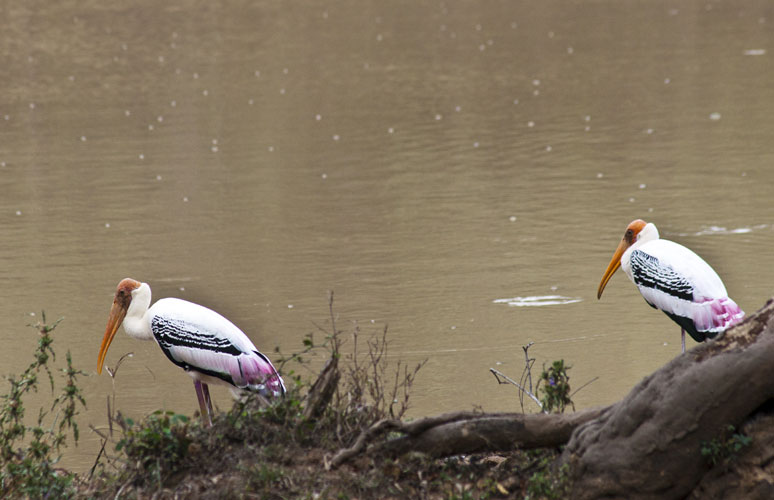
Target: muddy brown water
(424,160)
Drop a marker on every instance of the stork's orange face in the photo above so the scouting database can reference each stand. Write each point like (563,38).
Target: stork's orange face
(117,313)
(629,237)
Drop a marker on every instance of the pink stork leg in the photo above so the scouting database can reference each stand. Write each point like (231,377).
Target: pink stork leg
(682,335)
(201,390)
(206,390)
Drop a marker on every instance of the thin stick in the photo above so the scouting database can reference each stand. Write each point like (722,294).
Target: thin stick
(509,380)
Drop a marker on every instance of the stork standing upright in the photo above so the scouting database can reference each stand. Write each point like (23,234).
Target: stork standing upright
(210,348)
(675,280)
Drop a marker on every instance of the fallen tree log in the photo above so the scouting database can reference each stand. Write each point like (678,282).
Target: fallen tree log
(469,432)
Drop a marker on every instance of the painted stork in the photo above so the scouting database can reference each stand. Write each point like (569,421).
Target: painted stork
(210,348)
(675,280)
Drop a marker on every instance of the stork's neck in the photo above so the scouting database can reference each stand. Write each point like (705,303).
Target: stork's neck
(136,323)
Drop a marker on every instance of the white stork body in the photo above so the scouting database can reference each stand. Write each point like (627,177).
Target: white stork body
(209,347)
(675,280)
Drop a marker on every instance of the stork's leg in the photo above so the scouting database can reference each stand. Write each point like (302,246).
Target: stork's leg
(206,390)
(202,405)
(682,334)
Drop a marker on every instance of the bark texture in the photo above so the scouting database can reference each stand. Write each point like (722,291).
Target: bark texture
(649,444)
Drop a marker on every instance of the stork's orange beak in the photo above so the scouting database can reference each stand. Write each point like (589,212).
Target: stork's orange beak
(615,263)
(117,314)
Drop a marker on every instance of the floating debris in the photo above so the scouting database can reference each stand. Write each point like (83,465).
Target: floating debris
(755,52)
(538,301)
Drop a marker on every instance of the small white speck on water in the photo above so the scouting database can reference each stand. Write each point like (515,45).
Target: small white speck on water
(631,200)
(324,176)
(453,327)
(549,149)
(667,81)
(530,124)
(6,117)
(550,34)
(536,82)
(457,108)
(127,113)
(214,149)
(390,130)
(438,117)
(150,127)
(141,156)
(513,218)
(643,186)
(490,42)
(158,177)
(196,76)
(124,46)
(714,116)
(515,101)
(205,92)
(285,71)
(71,78)
(482,47)
(570,50)
(257,73)
(478,27)
(2,163)
(587,128)
(83,138)
(32,105)
(250,102)
(318,117)
(107,225)
(476,144)
(600,175)
(514,25)
(744,174)
(18,212)
(185,199)
(173,103)
(172,45)
(336,137)
(214,141)
(649,131)
(536,92)
(587,118)
(282,91)
(554,288)
(290,306)
(271,149)
(182,289)
(650,209)
(159,118)
(161,59)
(379,37)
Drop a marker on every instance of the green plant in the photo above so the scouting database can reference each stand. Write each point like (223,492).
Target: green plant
(725,448)
(27,463)
(547,482)
(157,445)
(556,388)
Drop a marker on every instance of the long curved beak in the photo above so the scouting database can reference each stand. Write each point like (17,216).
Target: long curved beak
(117,313)
(615,263)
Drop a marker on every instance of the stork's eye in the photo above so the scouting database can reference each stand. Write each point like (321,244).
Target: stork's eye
(629,233)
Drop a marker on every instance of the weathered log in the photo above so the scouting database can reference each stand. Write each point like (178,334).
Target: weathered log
(469,432)
(490,432)
(649,444)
